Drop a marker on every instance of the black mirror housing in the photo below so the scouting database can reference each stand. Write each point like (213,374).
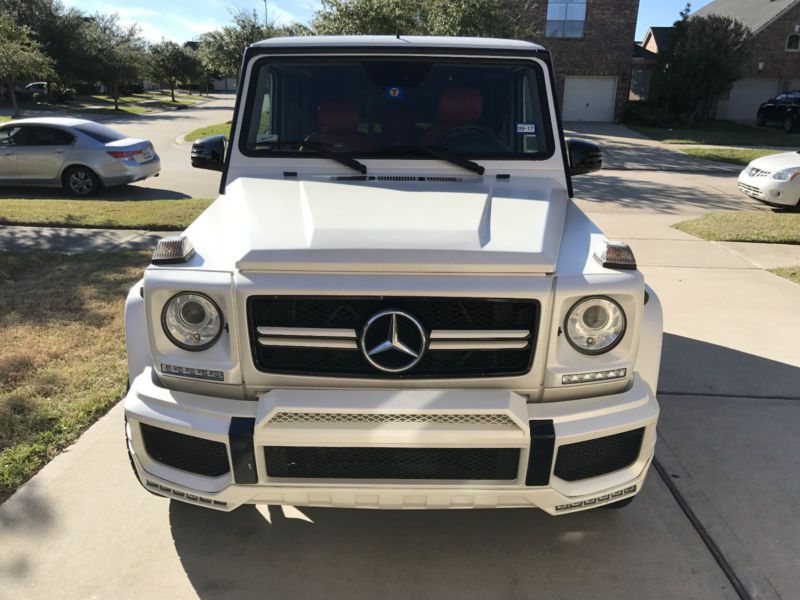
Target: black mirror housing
(584,157)
(209,153)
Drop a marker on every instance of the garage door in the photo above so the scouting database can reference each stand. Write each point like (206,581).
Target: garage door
(589,98)
(746,96)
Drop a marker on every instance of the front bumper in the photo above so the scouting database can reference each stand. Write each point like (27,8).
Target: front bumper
(770,191)
(211,419)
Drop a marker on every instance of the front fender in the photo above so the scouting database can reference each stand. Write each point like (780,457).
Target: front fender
(136,340)
(648,361)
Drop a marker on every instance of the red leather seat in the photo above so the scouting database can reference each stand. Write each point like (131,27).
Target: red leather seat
(458,106)
(337,121)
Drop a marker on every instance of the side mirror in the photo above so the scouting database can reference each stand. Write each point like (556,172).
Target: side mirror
(209,153)
(584,157)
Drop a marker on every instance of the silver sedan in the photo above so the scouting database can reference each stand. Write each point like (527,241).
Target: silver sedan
(79,155)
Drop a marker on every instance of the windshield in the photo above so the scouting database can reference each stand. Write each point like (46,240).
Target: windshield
(426,106)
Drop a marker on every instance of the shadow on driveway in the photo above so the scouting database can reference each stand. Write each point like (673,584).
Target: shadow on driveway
(123,192)
(653,193)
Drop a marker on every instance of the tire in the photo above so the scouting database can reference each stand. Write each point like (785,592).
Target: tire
(81,182)
(760,120)
(789,124)
(619,503)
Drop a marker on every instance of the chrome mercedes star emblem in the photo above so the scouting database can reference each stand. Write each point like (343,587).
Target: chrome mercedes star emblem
(393,341)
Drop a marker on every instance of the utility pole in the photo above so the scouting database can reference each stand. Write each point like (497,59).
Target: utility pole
(266,17)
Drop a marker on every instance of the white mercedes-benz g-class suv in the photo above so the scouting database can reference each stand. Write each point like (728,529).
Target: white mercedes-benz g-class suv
(394,303)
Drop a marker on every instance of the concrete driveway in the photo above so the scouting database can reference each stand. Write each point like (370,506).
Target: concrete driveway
(716,519)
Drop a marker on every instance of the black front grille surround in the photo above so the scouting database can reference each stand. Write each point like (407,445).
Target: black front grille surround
(598,456)
(477,464)
(354,312)
(185,452)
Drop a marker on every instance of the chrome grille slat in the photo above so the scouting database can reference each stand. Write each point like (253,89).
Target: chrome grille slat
(298,342)
(308,332)
(477,345)
(478,334)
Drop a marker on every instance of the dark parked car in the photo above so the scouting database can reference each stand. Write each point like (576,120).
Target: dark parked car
(783,110)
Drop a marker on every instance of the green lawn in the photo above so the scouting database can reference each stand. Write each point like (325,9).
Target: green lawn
(736,156)
(790,273)
(218,129)
(157,215)
(748,226)
(62,360)
(722,133)
(4,118)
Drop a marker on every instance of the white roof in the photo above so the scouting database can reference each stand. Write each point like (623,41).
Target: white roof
(63,121)
(756,14)
(404,41)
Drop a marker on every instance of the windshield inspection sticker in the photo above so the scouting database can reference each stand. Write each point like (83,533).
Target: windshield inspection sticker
(526,127)
(394,93)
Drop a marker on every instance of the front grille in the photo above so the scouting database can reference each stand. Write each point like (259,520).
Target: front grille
(598,456)
(750,189)
(185,452)
(482,419)
(392,463)
(347,313)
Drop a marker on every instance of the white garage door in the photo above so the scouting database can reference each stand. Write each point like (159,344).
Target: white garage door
(746,96)
(589,98)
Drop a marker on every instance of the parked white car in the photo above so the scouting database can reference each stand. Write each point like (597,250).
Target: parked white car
(773,179)
(79,155)
(394,303)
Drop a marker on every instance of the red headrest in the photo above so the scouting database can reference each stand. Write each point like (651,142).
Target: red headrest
(339,116)
(460,105)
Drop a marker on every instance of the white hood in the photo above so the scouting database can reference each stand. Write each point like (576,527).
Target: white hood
(469,225)
(777,162)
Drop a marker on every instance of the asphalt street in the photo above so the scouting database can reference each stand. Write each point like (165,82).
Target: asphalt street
(716,519)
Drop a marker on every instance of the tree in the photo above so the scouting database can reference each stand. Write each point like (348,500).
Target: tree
(497,18)
(173,64)
(705,58)
(21,57)
(221,50)
(113,54)
(58,30)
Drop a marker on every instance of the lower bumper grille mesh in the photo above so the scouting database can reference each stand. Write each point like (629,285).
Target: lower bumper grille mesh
(185,452)
(392,463)
(599,456)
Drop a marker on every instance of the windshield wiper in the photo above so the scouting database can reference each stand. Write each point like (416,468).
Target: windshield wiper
(441,154)
(321,149)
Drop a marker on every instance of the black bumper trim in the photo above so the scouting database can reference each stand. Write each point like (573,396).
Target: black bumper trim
(540,461)
(243,455)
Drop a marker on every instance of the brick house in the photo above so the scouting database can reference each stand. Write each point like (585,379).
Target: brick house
(591,44)
(774,65)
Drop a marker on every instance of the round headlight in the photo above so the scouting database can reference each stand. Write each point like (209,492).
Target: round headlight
(595,325)
(191,321)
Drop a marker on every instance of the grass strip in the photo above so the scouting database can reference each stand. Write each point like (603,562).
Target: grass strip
(157,215)
(736,156)
(790,273)
(720,133)
(218,129)
(62,360)
(745,226)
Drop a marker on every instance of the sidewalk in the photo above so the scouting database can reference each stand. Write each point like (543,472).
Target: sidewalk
(65,239)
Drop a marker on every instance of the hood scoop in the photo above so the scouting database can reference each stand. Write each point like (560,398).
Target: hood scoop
(430,224)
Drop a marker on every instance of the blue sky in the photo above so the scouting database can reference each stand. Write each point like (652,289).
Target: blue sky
(182,20)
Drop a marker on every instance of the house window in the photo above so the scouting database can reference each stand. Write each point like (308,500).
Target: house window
(793,43)
(565,18)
